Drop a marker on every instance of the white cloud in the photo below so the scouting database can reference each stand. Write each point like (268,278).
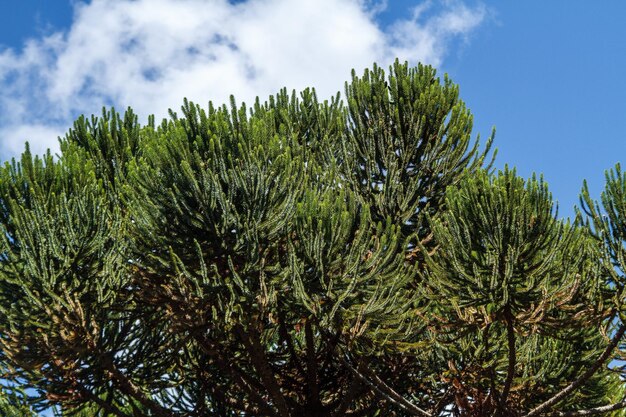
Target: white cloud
(40,137)
(149,54)
(426,39)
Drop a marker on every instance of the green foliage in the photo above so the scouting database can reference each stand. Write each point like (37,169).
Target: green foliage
(502,247)
(607,220)
(304,258)
(13,404)
(525,288)
(408,140)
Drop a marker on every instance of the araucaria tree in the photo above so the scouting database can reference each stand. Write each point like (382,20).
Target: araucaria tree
(354,257)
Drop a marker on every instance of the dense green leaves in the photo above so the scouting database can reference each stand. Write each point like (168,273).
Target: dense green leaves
(409,138)
(304,258)
(522,289)
(503,247)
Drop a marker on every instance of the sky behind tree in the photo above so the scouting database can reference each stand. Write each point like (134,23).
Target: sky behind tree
(548,75)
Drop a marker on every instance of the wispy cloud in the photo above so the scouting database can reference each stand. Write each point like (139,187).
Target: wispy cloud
(149,54)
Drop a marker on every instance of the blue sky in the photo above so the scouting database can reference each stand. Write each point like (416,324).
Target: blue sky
(549,75)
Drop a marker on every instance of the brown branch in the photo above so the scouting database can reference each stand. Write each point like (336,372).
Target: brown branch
(252,343)
(251,387)
(331,352)
(284,334)
(103,404)
(493,393)
(591,411)
(438,408)
(510,372)
(386,392)
(354,389)
(82,390)
(581,379)
(311,366)
(130,389)
(222,393)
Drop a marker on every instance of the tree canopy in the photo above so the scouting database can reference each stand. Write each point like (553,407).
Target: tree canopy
(357,256)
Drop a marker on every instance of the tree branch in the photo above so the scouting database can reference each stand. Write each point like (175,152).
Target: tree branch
(581,379)
(284,334)
(132,390)
(438,408)
(311,366)
(100,402)
(87,393)
(591,411)
(510,372)
(386,392)
(250,387)
(355,387)
(251,341)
